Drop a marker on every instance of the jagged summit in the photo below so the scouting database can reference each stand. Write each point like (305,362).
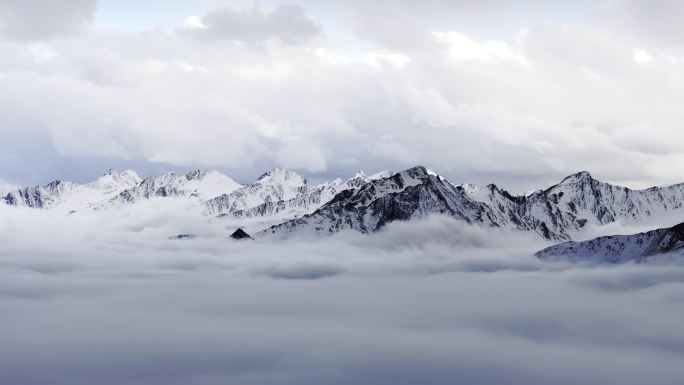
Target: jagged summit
(582,175)
(620,248)
(576,180)
(366,203)
(115,180)
(281,175)
(417,171)
(557,213)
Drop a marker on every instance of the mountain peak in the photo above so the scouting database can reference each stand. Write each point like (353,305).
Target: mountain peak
(132,175)
(580,176)
(417,171)
(240,234)
(281,175)
(112,180)
(196,174)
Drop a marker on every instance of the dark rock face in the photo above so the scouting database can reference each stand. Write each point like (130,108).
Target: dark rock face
(409,194)
(38,197)
(240,234)
(183,236)
(620,248)
(557,213)
(368,203)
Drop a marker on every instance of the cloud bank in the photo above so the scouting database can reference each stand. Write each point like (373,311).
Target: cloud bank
(34,20)
(111,300)
(336,86)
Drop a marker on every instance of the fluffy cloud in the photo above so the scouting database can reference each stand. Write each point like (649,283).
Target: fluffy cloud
(427,302)
(657,22)
(288,23)
(244,89)
(30,20)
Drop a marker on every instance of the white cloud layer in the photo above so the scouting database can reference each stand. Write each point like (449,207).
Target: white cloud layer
(109,299)
(30,20)
(389,85)
(498,90)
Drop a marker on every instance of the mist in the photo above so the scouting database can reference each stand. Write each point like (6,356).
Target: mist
(108,298)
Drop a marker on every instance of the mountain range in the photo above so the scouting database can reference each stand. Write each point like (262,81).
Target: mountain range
(282,203)
(557,213)
(660,243)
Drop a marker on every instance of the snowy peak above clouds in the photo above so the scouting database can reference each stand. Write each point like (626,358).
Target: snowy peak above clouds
(114,189)
(202,184)
(280,176)
(281,195)
(284,203)
(274,186)
(112,180)
(409,194)
(73,196)
(559,213)
(214,183)
(580,199)
(661,243)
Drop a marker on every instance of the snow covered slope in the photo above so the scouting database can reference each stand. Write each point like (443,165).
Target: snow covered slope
(281,194)
(580,200)
(667,242)
(409,194)
(70,196)
(559,213)
(201,184)
(285,203)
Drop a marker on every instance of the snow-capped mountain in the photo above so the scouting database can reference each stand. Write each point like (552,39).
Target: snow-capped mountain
(557,213)
(580,199)
(201,184)
(73,196)
(409,194)
(112,181)
(282,194)
(661,243)
(285,203)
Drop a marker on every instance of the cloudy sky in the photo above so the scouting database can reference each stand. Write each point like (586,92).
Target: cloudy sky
(503,91)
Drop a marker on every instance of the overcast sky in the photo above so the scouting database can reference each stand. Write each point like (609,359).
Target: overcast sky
(512,92)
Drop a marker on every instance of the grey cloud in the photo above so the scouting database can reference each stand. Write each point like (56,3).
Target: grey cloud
(648,22)
(288,23)
(522,111)
(128,305)
(28,20)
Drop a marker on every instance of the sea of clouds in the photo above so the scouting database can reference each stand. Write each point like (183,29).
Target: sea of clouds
(108,298)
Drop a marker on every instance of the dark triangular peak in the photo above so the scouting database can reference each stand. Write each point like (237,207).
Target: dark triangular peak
(240,234)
